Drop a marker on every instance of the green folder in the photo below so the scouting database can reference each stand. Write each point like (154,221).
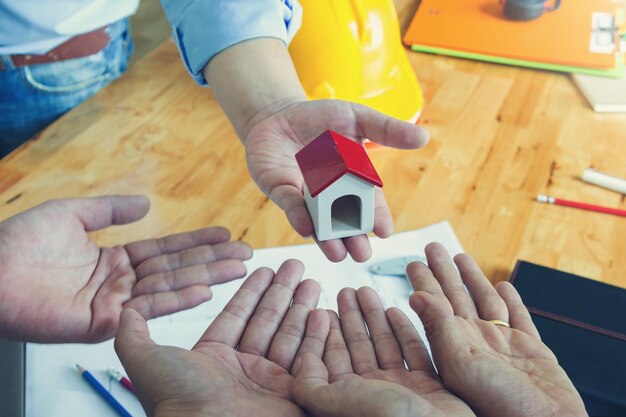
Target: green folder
(616,72)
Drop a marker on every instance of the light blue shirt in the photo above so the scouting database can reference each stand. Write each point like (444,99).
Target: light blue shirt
(201,28)
(37,26)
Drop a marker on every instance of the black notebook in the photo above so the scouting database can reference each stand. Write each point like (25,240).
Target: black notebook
(11,378)
(584,323)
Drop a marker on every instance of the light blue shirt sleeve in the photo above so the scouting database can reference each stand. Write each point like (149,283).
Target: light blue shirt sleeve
(203,28)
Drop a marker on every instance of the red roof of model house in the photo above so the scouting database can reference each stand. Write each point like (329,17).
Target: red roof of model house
(329,156)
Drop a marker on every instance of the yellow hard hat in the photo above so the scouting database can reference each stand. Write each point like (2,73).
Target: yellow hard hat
(351,50)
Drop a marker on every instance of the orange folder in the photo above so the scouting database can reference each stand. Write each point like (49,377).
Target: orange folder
(562,37)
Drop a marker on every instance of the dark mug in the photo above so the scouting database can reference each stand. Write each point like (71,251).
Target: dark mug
(526,9)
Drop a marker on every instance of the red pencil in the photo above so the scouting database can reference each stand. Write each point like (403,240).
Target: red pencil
(592,207)
(121,379)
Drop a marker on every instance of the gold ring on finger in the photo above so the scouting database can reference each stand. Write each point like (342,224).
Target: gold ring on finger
(499,323)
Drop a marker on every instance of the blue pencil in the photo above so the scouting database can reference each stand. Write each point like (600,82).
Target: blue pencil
(103,392)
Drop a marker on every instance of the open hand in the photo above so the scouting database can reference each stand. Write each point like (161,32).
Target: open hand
(240,366)
(363,372)
(497,370)
(273,138)
(56,285)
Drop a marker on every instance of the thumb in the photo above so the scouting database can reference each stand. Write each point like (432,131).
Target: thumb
(100,212)
(430,310)
(132,336)
(388,131)
(445,337)
(308,368)
(347,397)
(291,200)
(310,389)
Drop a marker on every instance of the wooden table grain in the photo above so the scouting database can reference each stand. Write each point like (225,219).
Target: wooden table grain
(500,135)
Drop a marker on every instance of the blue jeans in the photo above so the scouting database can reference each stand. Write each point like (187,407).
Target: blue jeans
(34,96)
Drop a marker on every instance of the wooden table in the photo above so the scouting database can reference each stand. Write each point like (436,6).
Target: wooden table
(500,136)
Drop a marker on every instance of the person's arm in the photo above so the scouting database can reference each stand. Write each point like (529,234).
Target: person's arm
(374,365)
(57,285)
(252,80)
(242,53)
(240,365)
(204,28)
(484,343)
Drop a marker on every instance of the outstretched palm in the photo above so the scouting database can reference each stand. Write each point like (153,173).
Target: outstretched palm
(367,365)
(475,357)
(217,381)
(496,369)
(240,366)
(56,284)
(272,142)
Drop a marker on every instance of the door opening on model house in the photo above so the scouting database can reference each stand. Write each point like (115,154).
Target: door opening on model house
(345,214)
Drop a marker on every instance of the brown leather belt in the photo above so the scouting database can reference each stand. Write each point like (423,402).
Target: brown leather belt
(77,47)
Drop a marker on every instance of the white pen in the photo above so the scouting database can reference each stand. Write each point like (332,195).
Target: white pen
(600,179)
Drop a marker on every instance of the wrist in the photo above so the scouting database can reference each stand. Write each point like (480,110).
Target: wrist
(252,80)
(266,111)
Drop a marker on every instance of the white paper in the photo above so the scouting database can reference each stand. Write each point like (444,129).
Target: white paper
(54,388)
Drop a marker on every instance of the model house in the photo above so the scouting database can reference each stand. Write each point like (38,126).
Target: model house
(340,181)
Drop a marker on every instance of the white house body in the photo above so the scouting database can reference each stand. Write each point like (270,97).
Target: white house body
(345,208)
